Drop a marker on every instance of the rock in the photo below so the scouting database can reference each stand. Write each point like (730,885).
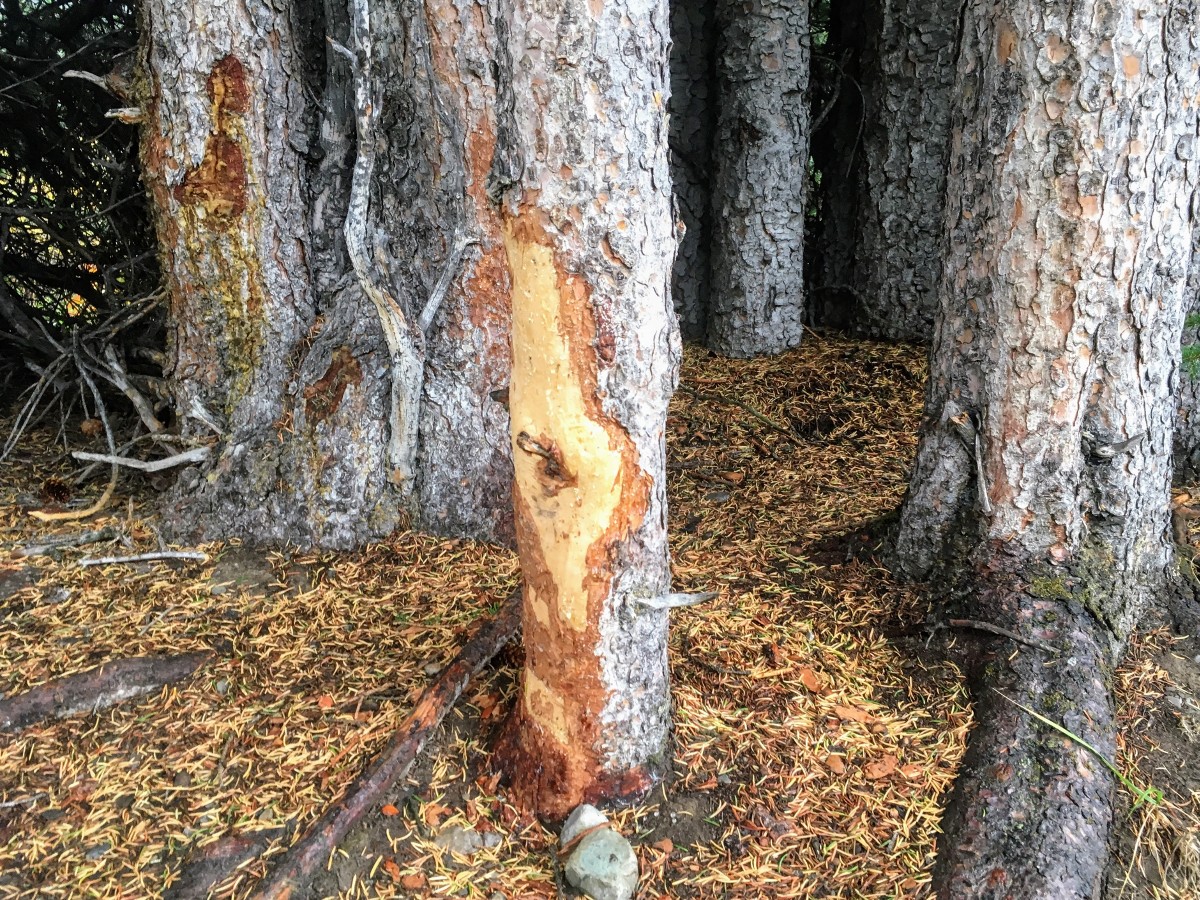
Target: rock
(584,817)
(465,840)
(603,866)
(98,851)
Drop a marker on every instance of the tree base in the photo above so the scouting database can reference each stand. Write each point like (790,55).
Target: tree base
(1030,811)
(541,779)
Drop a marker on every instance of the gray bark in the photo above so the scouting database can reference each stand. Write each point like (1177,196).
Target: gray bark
(890,266)
(590,241)
(693,124)
(759,184)
(1048,349)
(1187,422)
(1041,488)
(309,372)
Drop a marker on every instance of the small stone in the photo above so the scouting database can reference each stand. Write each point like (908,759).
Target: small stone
(603,866)
(222,686)
(218,589)
(97,851)
(718,496)
(124,801)
(724,779)
(52,815)
(182,780)
(582,818)
(462,840)
(431,668)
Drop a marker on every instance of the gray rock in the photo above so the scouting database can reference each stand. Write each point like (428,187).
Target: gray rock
(98,851)
(603,866)
(465,840)
(584,817)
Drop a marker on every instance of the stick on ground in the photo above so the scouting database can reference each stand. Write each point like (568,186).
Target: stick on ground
(297,867)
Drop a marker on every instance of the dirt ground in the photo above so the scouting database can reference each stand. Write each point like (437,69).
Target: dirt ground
(815,733)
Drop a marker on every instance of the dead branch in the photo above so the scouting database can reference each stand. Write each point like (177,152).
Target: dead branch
(745,407)
(977,625)
(58,542)
(309,854)
(97,688)
(145,557)
(195,455)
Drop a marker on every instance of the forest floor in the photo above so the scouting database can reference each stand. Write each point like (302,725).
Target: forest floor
(816,733)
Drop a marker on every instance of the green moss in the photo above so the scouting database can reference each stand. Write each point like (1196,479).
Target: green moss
(1049,587)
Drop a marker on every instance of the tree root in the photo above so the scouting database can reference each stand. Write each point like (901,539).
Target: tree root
(1030,810)
(97,688)
(297,867)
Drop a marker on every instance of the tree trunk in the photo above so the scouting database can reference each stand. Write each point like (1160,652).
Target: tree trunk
(887,179)
(440,107)
(759,184)
(590,242)
(693,123)
(1187,423)
(299,342)
(1044,466)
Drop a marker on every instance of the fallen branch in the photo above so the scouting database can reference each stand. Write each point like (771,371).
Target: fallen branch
(195,455)
(977,625)
(145,557)
(97,688)
(310,853)
(745,407)
(58,542)
(81,513)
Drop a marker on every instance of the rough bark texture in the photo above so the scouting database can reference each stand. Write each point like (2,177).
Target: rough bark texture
(439,116)
(887,169)
(693,123)
(278,351)
(1030,810)
(1048,424)
(595,357)
(1187,423)
(759,184)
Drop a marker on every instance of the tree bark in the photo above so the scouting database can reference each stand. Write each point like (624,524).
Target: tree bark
(345,398)
(590,240)
(1187,422)
(1047,445)
(886,174)
(760,178)
(693,124)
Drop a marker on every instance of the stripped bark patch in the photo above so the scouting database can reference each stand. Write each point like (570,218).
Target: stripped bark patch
(324,396)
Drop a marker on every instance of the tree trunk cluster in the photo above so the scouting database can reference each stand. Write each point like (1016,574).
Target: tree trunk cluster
(421,259)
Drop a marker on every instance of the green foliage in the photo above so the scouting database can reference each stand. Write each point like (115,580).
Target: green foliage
(1191,360)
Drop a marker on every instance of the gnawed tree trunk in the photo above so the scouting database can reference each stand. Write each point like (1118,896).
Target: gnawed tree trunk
(298,340)
(759,184)
(1043,472)
(595,357)
(693,123)
(884,176)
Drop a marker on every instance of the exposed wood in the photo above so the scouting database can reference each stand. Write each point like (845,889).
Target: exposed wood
(97,688)
(595,345)
(292,873)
